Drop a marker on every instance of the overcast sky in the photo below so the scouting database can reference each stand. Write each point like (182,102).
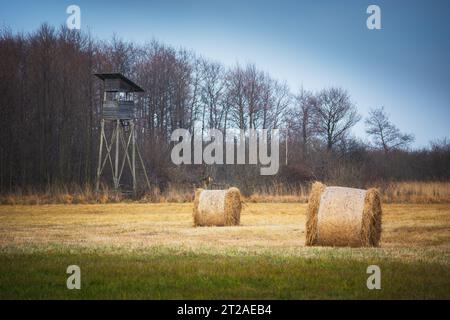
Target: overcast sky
(404,67)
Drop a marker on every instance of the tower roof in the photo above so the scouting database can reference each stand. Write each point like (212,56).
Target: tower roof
(118,82)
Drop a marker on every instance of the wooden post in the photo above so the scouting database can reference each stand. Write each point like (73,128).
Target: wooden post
(133,156)
(102,129)
(116,174)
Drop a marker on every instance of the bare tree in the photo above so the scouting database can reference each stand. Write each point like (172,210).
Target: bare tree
(266,101)
(235,96)
(334,115)
(252,93)
(212,87)
(303,122)
(384,133)
(281,101)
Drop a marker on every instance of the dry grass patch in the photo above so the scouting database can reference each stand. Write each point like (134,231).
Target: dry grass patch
(269,227)
(152,251)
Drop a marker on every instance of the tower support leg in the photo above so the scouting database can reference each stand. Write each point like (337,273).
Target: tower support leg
(133,156)
(99,167)
(116,163)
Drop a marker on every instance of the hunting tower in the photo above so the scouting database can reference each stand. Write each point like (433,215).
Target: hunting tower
(118,113)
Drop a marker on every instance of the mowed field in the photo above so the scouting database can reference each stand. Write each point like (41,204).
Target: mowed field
(152,251)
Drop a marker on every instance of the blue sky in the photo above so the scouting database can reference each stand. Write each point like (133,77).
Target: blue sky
(404,67)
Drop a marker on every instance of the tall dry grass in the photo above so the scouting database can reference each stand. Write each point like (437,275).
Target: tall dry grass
(279,192)
(416,192)
(60,195)
(396,192)
(87,195)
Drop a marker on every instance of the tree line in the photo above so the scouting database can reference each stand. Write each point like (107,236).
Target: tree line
(51,109)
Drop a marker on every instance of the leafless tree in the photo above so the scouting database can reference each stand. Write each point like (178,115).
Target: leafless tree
(252,93)
(384,133)
(235,83)
(334,115)
(281,100)
(302,118)
(212,91)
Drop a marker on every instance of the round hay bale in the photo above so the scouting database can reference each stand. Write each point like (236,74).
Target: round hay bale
(217,207)
(338,216)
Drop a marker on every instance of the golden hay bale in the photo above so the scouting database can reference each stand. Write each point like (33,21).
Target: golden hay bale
(338,216)
(217,207)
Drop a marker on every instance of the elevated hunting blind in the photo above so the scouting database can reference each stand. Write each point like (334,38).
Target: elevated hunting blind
(118,111)
(118,102)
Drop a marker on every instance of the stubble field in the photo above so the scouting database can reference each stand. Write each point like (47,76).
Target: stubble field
(152,251)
